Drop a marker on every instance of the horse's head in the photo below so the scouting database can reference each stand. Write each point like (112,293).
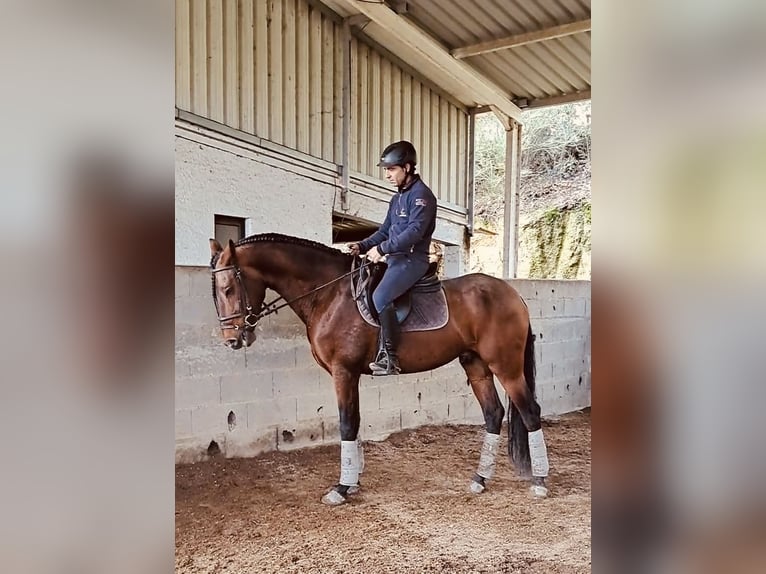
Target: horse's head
(237,299)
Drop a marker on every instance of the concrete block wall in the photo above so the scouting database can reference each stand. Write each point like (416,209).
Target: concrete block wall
(273,395)
(560,317)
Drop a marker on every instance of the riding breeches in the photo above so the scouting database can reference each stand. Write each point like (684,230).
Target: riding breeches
(402,273)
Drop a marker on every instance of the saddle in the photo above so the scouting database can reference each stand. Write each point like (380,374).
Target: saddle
(422,308)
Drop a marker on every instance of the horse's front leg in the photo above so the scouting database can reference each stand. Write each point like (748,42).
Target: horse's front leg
(351,454)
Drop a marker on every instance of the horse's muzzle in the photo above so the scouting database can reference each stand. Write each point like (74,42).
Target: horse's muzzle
(246,338)
(235,343)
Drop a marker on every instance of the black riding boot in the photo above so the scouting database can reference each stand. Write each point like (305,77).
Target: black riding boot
(387,362)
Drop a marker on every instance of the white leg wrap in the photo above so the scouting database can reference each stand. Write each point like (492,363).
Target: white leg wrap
(360,450)
(538,453)
(349,463)
(488,454)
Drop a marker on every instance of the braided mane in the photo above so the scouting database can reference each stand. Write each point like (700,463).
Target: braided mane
(279,238)
(288,239)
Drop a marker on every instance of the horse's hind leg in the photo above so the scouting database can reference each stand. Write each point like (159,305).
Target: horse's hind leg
(482,383)
(527,444)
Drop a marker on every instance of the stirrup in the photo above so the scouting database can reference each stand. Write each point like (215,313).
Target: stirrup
(385,366)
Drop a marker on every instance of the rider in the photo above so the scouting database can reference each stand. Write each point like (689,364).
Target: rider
(404,238)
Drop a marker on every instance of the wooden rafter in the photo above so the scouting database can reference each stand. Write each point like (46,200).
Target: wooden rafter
(522,39)
(555,100)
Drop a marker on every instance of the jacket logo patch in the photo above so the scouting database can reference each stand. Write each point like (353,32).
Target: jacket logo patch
(420,202)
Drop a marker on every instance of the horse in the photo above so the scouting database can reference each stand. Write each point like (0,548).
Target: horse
(488,331)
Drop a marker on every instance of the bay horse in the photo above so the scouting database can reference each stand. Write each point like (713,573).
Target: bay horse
(488,330)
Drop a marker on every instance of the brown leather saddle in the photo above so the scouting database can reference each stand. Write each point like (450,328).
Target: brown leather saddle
(422,307)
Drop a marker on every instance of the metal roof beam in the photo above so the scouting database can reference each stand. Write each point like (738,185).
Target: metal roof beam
(526,103)
(554,100)
(522,39)
(410,36)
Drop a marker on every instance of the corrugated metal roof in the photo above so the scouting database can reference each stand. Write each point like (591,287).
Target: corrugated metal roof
(536,73)
(549,68)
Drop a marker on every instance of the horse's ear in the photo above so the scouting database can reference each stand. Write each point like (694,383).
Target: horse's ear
(215,247)
(231,250)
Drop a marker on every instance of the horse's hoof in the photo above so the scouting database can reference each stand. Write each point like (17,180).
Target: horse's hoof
(476,488)
(354,489)
(538,491)
(333,498)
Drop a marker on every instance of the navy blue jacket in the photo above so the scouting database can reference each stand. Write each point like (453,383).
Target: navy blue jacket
(409,224)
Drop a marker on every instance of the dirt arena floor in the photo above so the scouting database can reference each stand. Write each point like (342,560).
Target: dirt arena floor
(414,513)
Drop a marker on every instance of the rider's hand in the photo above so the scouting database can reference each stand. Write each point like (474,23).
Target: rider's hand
(374,255)
(354,249)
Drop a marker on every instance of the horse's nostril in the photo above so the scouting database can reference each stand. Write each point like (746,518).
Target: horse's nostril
(234,343)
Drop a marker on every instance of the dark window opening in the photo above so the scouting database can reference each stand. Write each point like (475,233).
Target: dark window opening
(348,230)
(227,227)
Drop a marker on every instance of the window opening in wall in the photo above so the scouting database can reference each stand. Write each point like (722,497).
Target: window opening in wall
(227,227)
(348,229)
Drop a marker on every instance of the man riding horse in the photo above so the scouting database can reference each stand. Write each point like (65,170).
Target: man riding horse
(488,329)
(404,239)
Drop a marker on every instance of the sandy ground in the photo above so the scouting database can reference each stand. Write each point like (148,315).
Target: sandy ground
(414,513)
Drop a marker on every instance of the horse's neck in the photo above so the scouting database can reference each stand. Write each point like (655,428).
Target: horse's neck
(288,274)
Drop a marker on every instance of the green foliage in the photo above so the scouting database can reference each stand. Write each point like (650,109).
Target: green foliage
(489,170)
(555,151)
(554,188)
(555,141)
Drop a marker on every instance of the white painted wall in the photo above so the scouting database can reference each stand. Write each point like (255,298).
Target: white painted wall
(275,189)
(210,181)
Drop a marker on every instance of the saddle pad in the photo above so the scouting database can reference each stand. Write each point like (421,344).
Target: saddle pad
(429,312)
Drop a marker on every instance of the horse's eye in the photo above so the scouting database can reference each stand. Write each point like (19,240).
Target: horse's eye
(227,290)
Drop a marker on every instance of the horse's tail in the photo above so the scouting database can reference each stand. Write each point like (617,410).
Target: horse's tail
(518,441)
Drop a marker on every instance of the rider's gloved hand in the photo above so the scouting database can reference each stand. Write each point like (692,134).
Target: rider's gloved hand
(374,255)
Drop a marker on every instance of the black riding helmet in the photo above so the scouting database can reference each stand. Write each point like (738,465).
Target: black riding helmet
(399,153)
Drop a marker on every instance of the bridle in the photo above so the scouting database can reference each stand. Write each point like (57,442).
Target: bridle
(251,319)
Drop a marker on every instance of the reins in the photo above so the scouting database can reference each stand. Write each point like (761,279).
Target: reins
(268,309)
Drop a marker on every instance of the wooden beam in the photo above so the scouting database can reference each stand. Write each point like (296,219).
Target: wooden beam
(358,21)
(471,142)
(525,103)
(511,204)
(399,6)
(517,200)
(556,100)
(408,35)
(478,110)
(505,120)
(522,39)
(346,111)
